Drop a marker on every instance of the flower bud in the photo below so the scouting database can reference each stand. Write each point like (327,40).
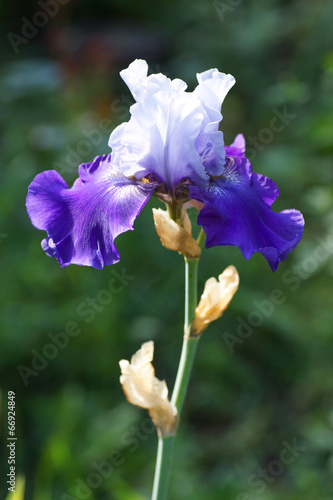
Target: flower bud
(215,299)
(176,235)
(143,389)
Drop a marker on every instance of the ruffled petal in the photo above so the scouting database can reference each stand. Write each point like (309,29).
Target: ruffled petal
(160,139)
(83,222)
(237,212)
(141,85)
(172,134)
(134,76)
(212,89)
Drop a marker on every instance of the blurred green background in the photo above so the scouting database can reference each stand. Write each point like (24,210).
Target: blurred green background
(250,397)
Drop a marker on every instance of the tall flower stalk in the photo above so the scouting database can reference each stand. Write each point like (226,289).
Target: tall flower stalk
(190,344)
(138,379)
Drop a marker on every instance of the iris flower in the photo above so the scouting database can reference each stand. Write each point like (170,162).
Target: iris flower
(172,148)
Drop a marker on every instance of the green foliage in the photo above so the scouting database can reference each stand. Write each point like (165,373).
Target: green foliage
(243,406)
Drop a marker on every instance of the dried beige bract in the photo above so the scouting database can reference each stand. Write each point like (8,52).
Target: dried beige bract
(143,389)
(215,299)
(176,235)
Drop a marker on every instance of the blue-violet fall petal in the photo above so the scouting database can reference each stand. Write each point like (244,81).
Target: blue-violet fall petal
(237,211)
(83,222)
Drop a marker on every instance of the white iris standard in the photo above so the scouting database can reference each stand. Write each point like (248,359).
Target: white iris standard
(172,134)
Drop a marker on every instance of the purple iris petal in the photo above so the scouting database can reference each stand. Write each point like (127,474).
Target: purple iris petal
(83,222)
(237,211)
(237,148)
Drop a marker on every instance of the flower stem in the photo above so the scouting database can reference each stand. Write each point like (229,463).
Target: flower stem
(189,344)
(162,467)
(165,444)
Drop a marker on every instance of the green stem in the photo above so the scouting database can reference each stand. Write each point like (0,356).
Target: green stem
(165,444)
(162,467)
(189,344)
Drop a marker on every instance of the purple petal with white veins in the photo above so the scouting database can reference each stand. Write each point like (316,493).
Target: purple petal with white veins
(83,222)
(237,211)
